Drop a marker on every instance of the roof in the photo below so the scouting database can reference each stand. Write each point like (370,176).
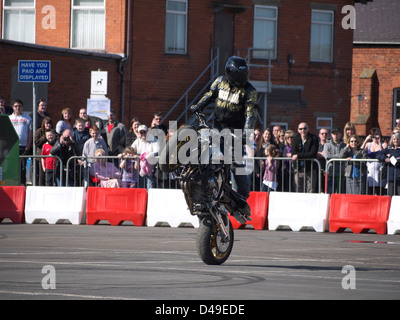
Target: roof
(377,22)
(60,51)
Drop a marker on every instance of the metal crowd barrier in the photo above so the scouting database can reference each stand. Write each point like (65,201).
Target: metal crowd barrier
(80,168)
(305,175)
(363,176)
(291,176)
(34,170)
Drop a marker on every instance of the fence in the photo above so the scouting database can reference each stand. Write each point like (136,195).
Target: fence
(355,176)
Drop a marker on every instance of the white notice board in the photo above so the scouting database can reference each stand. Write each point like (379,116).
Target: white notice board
(99,108)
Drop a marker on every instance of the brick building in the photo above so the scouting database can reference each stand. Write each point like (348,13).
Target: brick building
(76,36)
(376,67)
(155,50)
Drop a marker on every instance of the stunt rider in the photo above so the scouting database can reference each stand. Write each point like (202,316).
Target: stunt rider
(235,108)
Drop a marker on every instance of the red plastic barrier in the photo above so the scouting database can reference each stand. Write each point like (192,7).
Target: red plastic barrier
(258,202)
(360,213)
(12,203)
(116,205)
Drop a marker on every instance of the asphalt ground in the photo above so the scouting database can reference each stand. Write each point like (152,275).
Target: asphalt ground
(104,262)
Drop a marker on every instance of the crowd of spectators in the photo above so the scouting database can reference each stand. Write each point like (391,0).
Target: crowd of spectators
(345,161)
(109,154)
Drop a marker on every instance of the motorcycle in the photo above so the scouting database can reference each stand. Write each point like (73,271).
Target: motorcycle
(193,157)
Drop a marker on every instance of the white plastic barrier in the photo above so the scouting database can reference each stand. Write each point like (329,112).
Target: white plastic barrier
(393,223)
(298,210)
(55,203)
(169,205)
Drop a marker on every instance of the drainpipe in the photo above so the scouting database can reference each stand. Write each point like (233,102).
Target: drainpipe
(121,66)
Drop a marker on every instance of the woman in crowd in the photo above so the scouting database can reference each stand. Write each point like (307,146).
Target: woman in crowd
(108,175)
(281,140)
(65,121)
(355,171)
(129,137)
(267,138)
(40,140)
(349,129)
(373,144)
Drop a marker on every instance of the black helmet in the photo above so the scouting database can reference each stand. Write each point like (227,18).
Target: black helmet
(236,70)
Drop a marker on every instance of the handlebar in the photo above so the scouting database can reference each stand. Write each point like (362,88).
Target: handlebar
(201,119)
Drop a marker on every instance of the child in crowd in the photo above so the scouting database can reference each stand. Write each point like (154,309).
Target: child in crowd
(80,134)
(270,182)
(49,164)
(130,166)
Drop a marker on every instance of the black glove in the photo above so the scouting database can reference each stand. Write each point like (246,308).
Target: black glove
(194,108)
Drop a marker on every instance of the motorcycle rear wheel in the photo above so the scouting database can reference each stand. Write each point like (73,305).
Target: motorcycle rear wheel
(211,245)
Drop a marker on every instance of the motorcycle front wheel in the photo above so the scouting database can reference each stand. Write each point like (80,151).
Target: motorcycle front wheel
(212,247)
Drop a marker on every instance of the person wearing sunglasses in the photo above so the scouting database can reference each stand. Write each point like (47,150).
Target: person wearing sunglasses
(374,143)
(355,171)
(304,150)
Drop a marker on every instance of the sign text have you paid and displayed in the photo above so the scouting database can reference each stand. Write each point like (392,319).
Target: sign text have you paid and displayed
(34,71)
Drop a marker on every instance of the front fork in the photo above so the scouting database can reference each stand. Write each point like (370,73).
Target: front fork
(217,213)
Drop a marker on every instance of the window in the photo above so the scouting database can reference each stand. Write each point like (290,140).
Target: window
(19,20)
(176,27)
(321,36)
(265,31)
(88,24)
(323,122)
(283,125)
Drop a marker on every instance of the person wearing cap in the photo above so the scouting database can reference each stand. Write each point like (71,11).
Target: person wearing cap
(148,149)
(332,150)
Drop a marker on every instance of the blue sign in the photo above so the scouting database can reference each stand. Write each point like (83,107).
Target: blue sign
(34,71)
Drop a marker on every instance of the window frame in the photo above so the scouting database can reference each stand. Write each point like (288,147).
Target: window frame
(275,20)
(174,12)
(330,119)
(18,8)
(90,8)
(283,125)
(332,24)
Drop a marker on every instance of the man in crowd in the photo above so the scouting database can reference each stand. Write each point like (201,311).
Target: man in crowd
(114,132)
(23,126)
(331,151)
(304,149)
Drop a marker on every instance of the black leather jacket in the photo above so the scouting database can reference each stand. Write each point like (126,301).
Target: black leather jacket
(235,108)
